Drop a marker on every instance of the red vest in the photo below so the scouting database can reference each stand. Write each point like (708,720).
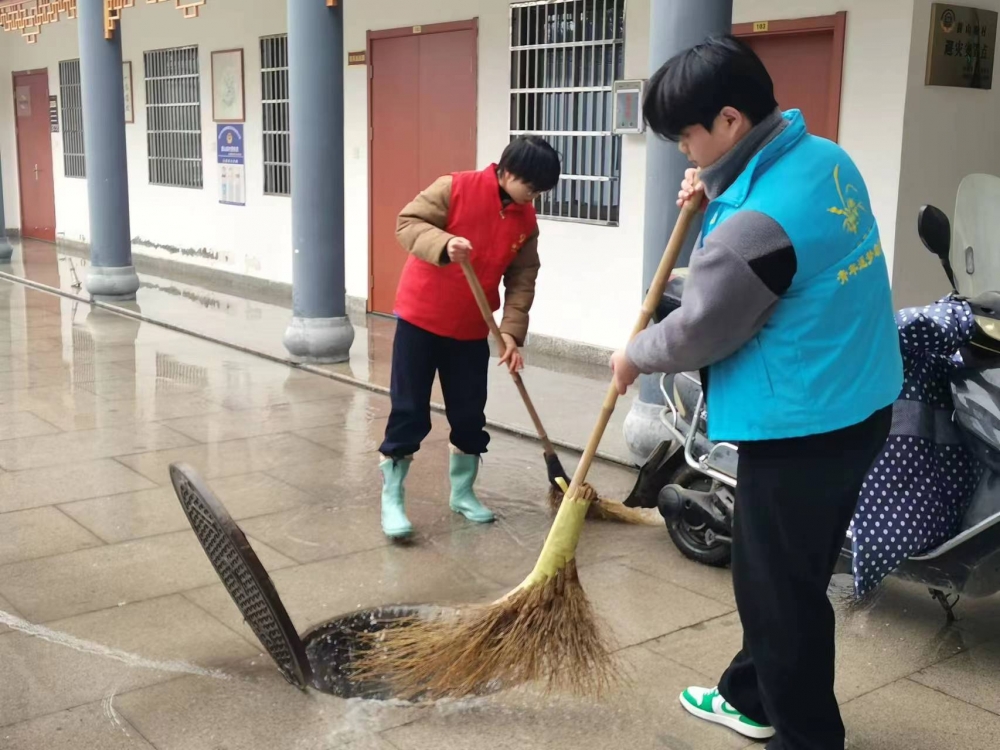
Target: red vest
(438,299)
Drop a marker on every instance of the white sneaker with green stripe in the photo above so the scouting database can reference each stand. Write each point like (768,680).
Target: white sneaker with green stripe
(708,704)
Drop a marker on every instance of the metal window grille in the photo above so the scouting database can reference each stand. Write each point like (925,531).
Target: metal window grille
(173,117)
(74,161)
(277,131)
(565,57)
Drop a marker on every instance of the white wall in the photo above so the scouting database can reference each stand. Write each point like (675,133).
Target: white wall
(949,133)
(876,52)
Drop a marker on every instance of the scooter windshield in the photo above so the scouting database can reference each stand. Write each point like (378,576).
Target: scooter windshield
(975,246)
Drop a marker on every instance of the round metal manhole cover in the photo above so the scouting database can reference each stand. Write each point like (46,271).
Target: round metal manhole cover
(242,574)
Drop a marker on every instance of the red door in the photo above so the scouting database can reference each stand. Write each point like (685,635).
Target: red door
(805,60)
(34,155)
(423,118)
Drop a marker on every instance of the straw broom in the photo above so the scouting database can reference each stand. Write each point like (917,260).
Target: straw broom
(544,630)
(600,509)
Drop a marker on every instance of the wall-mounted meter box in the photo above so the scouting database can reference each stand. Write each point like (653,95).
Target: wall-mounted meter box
(627,115)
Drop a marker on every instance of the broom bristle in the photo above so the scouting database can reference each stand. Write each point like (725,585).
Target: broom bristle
(606,510)
(543,633)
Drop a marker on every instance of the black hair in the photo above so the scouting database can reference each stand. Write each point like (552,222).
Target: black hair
(532,160)
(694,86)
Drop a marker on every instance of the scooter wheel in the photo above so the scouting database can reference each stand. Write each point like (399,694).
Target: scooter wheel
(688,535)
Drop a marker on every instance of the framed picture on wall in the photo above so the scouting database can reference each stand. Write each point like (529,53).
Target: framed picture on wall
(127,82)
(227,86)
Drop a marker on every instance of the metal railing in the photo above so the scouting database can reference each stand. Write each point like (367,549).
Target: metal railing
(274,101)
(71,109)
(565,57)
(173,117)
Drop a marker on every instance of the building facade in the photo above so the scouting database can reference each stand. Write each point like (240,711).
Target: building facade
(434,86)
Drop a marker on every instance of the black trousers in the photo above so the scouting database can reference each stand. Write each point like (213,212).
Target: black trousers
(462,367)
(794,503)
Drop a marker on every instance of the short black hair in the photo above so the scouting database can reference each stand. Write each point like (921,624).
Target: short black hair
(693,87)
(532,160)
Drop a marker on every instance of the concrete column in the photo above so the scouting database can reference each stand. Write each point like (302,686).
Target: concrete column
(111,275)
(674,25)
(320,330)
(6,250)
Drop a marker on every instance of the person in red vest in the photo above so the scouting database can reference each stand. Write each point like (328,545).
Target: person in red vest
(488,219)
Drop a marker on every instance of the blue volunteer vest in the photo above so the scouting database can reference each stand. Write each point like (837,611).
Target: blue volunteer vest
(828,358)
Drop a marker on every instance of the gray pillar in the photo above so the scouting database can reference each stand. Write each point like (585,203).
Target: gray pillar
(674,25)
(320,330)
(111,274)
(6,250)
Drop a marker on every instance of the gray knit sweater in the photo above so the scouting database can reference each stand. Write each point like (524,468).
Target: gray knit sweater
(736,277)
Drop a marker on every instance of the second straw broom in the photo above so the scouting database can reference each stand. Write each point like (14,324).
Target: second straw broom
(544,630)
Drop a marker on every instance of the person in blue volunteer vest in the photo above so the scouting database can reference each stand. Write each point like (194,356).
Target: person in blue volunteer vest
(787,311)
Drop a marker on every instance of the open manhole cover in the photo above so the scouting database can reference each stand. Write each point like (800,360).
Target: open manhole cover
(323,658)
(242,574)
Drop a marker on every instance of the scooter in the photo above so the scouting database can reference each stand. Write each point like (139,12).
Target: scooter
(692,481)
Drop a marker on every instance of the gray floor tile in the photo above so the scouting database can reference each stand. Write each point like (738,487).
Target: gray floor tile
(94,579)
(907,716)
(156,641)
(231,458)
(65,483)
(41,532)
(135,515)
(96,725)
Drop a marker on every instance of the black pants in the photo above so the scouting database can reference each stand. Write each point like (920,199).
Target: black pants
(794,503)
(462,367)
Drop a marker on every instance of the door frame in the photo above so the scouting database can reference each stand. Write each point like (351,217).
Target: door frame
(373,36)
(17,141)
(837,23)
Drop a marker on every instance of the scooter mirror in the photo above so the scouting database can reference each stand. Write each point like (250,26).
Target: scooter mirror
(935,231)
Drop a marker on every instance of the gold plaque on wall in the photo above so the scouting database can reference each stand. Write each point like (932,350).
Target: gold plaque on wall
(961,48)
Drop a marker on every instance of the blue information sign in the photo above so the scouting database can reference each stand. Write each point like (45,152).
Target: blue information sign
(232,167)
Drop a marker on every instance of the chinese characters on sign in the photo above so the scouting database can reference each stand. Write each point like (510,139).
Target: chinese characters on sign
(962,43)
(232,169)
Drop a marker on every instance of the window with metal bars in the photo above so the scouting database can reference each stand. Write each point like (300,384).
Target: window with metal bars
(565,56)
(74,161)
(277,138)
(173,117)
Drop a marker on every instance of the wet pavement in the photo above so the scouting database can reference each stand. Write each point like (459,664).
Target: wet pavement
(115,631)
(557,386)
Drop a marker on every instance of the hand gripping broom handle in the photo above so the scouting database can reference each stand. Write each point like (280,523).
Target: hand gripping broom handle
(484,308)
(656,289)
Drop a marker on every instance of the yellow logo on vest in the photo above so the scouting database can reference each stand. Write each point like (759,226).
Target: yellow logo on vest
(519,244)
(865,261)
(849,208)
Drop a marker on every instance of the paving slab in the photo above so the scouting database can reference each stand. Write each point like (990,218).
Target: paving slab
(41,532)
(134,515)
(908,716)
(904,633)
(231,458)
(642,713)
(67,482)
(95,725)
(257,709)
(970,676)
(157,641)
(94,579)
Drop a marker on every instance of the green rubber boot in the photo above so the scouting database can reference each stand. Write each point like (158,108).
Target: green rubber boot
(463,472)
(395,524)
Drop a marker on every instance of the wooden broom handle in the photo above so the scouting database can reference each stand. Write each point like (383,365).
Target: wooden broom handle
(484,308)
(653,296)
